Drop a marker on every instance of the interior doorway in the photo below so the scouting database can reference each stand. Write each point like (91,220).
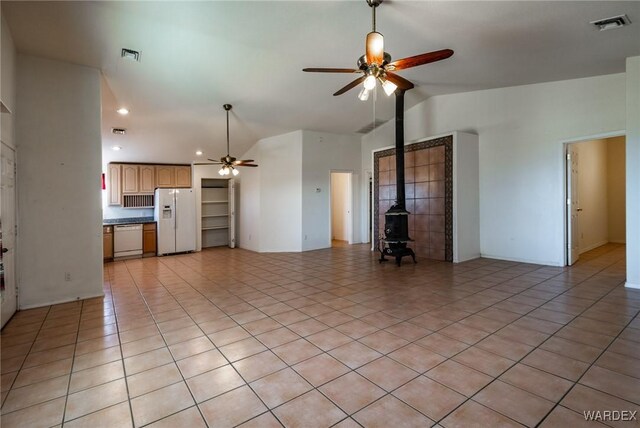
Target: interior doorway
(8,294)
(595,195)
(341,209)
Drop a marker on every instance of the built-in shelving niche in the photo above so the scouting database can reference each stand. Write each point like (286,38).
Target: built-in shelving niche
(215,212)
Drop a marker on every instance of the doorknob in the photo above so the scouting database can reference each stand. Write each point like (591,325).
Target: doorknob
(579,209)
(4,250)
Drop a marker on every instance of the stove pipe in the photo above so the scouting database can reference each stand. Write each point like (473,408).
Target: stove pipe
(396,225)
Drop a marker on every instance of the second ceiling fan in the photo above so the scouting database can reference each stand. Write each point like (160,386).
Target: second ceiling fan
(228,162)
(376,65)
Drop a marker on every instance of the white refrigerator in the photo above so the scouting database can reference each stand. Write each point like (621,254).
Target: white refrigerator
(175,215)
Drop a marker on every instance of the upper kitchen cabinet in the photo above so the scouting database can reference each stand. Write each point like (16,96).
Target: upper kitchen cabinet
(130,179)
(166,176)
(147,179)
(183,176)
(131,185)
(115,191)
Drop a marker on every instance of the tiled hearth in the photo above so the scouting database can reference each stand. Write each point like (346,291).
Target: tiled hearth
(428,189)
(329,338)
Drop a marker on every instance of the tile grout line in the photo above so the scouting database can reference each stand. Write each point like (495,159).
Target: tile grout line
(537,347)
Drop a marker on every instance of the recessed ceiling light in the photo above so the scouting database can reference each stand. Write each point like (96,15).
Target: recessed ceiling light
(123,111)
(116,148)
(199,153)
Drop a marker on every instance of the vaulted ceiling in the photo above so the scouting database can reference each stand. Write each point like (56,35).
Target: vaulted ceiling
(196,56)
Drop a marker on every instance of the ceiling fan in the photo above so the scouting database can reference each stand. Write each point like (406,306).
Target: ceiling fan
(376,65)
(228,162)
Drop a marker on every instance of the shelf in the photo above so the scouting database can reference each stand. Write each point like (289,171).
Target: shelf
(215,215)
(215,202)
(215,228)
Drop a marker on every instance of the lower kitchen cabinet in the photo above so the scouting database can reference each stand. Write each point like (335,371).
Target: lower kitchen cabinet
(107,242)
(149,239)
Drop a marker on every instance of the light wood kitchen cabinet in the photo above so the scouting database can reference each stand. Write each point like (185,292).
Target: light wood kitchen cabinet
(127,182)
(107,242)
(165,176)
(183,176)
(149,239)
(147,181)
(130,179)
(115,193)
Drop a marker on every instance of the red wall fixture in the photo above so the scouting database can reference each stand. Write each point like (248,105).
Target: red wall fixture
(104,184)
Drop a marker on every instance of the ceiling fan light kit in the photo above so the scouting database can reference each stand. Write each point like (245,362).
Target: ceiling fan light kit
(376,65)
(228,162)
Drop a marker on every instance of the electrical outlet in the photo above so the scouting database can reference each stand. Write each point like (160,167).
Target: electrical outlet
(67,276)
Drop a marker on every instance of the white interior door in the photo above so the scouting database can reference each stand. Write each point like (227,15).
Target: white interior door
(232,213)
(8,231)
(573,207)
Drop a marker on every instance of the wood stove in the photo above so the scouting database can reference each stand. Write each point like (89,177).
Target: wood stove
(396,224)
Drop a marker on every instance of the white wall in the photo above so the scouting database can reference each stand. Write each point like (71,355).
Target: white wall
(279,208)
(616,190)
(339,205)
(59,202)
(322,153)
(593,221)
(248,203)
(521,155)
(7,83)
(633,171)
(280,192)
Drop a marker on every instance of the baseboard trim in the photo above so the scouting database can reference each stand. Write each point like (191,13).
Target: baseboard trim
(58,302)
(591,247)
(632,285)
(520,260)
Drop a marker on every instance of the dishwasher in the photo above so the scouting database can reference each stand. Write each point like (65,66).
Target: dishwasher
(127,240)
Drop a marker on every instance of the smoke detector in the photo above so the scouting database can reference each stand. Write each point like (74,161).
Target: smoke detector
(118,131)
(611,23)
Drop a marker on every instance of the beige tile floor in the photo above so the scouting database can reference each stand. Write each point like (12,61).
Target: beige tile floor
(329,338)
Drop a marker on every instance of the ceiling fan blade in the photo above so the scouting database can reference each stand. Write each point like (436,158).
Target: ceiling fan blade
(421,59)
(331,70)
(207,163)
(240,162)
(350,86)
(400,82)
(248,164)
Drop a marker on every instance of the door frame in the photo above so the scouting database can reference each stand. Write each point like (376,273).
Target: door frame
(566,212)
(15,231)
(350,222)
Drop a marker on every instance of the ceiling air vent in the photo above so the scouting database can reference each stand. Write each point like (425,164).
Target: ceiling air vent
(611,23)
(130,54)
(368,128)
(118,131)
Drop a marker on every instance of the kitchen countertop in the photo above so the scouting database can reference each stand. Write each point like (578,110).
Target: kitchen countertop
(127,220)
